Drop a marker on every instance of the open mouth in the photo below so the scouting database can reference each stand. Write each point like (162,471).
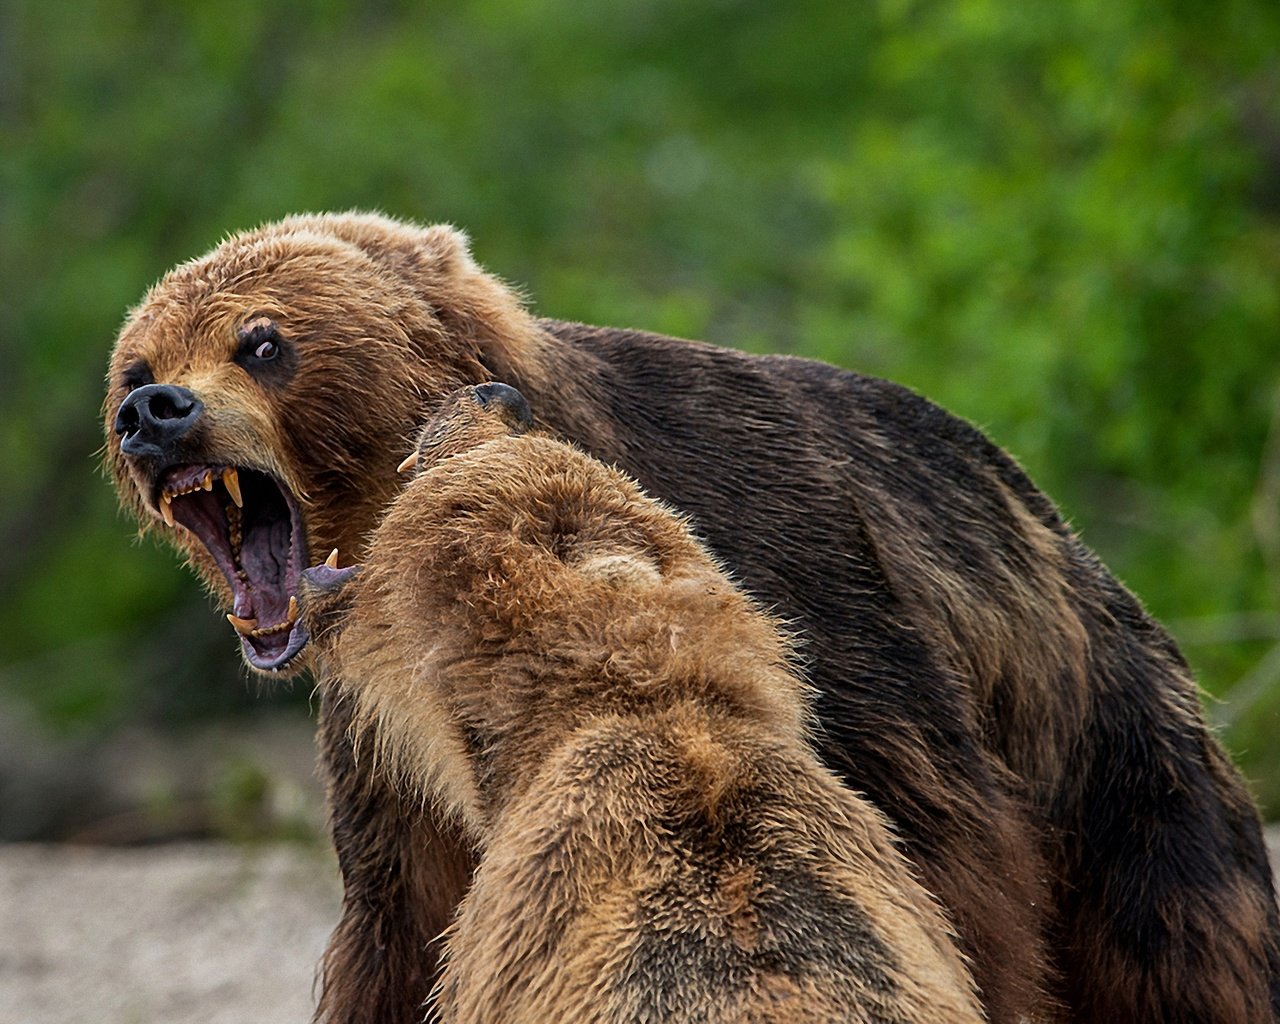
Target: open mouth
(250,524)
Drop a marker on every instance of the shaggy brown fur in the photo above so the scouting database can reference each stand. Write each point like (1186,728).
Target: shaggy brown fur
(547,653)
(1031,733)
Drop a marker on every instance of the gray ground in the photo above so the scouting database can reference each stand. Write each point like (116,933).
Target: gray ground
(174,934)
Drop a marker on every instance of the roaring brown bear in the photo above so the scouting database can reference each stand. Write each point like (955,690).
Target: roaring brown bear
(1033,736)
(538,648)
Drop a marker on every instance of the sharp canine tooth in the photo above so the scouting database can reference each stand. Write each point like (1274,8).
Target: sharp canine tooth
(410,463)
(332,560)
(166,508)
(208,480)
(243,626)
(231,481)
(292,615)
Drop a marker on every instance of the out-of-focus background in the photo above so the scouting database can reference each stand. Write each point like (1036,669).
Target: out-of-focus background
(1061,221)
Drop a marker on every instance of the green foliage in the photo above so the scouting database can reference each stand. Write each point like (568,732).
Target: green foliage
(1059,220)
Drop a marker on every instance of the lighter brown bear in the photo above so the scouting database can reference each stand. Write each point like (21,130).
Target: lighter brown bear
(544,652)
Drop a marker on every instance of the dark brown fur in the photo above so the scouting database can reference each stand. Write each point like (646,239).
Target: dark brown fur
(548,655)
(1033,735)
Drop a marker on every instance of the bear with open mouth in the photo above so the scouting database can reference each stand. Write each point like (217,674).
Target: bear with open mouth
(1034,737)
(536,647)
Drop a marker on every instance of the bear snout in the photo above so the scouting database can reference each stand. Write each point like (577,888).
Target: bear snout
(507,402)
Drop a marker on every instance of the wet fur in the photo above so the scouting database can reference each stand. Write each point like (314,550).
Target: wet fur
(542,651)
(1032,734)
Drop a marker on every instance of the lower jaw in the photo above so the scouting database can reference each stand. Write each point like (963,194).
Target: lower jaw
(287,658)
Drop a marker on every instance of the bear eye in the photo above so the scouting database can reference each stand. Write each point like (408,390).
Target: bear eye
(260,344)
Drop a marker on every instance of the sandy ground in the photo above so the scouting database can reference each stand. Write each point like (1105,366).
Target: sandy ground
(180,934)
(177,934)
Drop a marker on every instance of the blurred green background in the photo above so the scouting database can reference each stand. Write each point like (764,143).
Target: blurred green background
(1061,221)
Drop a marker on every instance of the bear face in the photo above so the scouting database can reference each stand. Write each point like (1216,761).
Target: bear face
(226,415)
(546,652)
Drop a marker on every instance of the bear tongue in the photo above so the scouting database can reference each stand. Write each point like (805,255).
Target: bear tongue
(264,560)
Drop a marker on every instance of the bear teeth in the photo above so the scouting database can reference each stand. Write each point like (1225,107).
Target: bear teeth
(230,477)
(231,481)
(245,627)
(249,627)
(205,483)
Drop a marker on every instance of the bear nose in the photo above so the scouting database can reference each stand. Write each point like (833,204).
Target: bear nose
(154,417)
(508,402)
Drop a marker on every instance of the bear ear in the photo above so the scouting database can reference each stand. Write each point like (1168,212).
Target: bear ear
(448,249)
